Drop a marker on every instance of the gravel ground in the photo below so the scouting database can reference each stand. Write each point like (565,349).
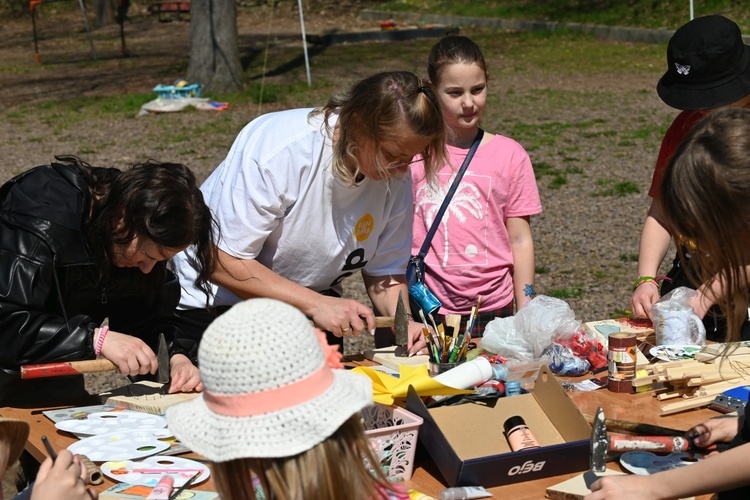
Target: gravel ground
(585,244)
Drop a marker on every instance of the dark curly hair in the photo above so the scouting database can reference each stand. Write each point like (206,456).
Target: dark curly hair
(158,201)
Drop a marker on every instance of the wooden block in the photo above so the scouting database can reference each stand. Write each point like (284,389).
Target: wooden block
(575,488)
(386,356)
(154,403)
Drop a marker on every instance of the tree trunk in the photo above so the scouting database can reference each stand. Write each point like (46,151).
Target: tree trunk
(105,14)
(214,55)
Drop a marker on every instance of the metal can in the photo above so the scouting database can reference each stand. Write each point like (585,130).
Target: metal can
(621,361)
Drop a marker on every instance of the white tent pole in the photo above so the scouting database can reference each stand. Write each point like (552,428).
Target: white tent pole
(692,11)
(304,42)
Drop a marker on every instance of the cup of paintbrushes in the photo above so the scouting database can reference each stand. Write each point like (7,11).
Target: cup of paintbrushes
(438,368)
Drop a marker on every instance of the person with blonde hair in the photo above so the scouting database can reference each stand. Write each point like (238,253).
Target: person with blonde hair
(705,199)
(278,406)
(59,479)
(308,197)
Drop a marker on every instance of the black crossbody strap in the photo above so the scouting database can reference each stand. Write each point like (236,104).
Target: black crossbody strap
(439,216)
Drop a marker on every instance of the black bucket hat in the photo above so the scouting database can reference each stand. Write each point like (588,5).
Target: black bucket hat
(708,65)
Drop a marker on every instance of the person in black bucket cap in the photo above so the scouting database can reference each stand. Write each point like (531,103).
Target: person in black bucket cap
(708,67)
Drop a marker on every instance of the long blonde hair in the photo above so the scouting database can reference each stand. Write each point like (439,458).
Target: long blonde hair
(336,465)
(706,199)
(373,109)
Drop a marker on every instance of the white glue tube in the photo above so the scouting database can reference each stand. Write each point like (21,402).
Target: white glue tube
(464,493)
(467,375)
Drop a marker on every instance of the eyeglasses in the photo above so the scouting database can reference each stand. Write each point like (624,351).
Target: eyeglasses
(395,165)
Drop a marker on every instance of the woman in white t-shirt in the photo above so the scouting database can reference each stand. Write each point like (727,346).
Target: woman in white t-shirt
(307,197)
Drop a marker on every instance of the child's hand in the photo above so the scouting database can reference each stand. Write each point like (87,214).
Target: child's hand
(716,430)
(62,480)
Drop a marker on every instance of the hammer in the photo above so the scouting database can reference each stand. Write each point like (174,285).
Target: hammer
(399,322)
(63,368)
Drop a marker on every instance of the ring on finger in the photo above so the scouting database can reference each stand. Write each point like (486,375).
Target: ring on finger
(346,329)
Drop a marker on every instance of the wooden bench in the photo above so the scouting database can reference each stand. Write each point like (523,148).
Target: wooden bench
(167,10)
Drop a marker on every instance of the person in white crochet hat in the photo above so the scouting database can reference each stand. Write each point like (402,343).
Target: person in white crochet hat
(278,404)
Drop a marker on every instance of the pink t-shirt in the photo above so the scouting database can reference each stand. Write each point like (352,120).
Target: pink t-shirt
(470,254)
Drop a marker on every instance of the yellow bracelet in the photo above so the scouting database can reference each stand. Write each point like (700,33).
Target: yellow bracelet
(644,279)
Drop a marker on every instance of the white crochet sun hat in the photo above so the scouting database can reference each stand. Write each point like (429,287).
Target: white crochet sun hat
(268,389)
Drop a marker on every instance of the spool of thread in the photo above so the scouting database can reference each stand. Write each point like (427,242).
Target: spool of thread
(621,361)
(93,473)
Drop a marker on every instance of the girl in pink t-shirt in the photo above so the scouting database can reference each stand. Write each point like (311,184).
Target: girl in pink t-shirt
(484,244)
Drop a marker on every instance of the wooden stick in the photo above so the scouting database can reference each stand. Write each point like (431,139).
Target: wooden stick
(685,405)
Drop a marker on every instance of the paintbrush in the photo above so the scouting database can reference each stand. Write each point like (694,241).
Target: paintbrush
(431,344)
(438,339)
(50,450)
(452,325)
(464,347)
(474,315)
(182,488)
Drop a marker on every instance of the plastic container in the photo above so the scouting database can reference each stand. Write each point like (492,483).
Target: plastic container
(175,92)
(393,434)
(523,373)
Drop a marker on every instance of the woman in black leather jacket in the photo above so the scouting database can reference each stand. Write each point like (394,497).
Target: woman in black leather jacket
(79,244)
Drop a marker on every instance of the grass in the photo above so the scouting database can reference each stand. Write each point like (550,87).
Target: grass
(572,292)
(643,13)
(613,188)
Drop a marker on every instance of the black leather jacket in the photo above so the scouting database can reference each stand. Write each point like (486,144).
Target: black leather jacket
(52,294)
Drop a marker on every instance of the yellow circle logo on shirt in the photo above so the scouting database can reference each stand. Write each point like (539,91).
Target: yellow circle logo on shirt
(364,227)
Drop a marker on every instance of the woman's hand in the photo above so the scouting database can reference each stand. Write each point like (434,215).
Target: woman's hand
(644,296)
(184,375)
(62,480)
(343,317)
(131,355)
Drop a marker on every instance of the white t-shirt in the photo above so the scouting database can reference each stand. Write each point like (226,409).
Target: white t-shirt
(276,201)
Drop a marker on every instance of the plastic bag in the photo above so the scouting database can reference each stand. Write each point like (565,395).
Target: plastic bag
(586,345)
(565,362)
(533,328)
(675,322)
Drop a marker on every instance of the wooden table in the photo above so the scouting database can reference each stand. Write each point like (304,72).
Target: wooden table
(427,479)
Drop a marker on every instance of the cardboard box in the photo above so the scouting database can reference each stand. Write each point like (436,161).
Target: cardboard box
(468,445)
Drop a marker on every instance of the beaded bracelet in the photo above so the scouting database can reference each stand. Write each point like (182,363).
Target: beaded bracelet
(644,279)
(100,341)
